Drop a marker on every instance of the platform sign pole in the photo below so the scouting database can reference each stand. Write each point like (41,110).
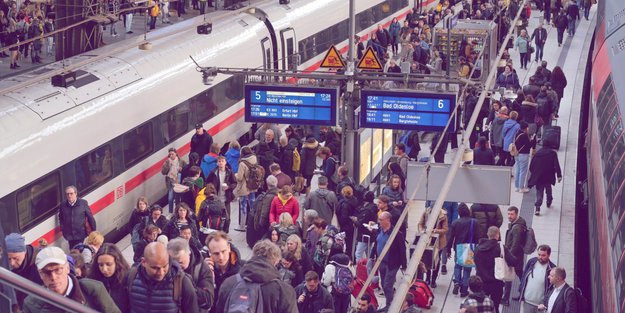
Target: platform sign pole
(349,134)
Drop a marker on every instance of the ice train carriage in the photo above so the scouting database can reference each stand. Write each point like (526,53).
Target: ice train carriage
(109,132)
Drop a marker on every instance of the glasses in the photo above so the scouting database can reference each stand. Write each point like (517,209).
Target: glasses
(48,273)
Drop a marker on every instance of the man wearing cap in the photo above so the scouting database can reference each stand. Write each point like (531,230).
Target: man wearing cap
(74,215)
(22,261)
(54,272)
(201,141)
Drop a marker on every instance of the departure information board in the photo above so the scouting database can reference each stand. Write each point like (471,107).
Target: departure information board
(406,110)
(290,105)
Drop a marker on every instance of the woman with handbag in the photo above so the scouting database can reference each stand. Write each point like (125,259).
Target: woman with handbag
(522,44)
(523,145)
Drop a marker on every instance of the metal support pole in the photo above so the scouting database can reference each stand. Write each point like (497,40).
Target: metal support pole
(400,294)
(349,134)
(448,45)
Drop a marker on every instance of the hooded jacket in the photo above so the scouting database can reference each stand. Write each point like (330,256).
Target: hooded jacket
(485,253)
(497,130)
(529,268)
(280,205)
(88,292)
(509,132)
(323,201)
(278,296)
(460,231)
(528,111)
(242,175)
(209,163)
(232,158)
(28,270)
(347,207)
(515,239)
(329,274)
(308,157)
(544,168)
(486,215)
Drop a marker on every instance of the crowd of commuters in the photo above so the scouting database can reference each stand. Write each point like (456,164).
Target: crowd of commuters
(303,253)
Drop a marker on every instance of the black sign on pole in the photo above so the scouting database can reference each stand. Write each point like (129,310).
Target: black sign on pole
(406,110)
(291,105)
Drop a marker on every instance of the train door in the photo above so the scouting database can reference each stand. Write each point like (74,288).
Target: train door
(267,53)
(288,53)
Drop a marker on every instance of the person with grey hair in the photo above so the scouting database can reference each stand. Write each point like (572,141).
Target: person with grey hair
(192,263)
(75,217)
(322,200)
(260,222)
(277,296)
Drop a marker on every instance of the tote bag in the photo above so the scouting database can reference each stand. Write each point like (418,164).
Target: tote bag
(503,271)
(465,251)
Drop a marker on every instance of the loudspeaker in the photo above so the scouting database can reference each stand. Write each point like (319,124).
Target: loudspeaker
(205,29)
(64,79)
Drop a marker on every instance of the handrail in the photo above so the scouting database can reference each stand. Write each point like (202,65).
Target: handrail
(30,288)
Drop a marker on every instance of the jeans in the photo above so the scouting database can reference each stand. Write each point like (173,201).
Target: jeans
(246,202)
(571,27)
(128,22)
(586,12)
(165,12)
(49,45)
(461,277)
(170,199)
(113,30)
(362,250)
(202,7)
(376,278)
(539,194)
(153,22)
(539,52)
(388,276)
(522,163)
(524,58)
(528,308)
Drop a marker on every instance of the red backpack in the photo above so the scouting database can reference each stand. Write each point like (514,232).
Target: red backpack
(423,295)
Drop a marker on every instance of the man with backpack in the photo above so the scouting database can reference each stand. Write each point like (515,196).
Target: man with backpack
(257,287)
(402,157)
(159,278)
(312,298)
(322,200)
(339,280)
(191,262)
(249,178)
(515,240)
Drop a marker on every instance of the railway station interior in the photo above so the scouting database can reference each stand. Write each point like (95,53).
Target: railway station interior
(309,156)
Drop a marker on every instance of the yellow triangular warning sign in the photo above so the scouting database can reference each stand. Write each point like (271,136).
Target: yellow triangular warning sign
(369,61)
(332,59)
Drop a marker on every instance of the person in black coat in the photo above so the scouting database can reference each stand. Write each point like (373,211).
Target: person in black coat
(540,37)
(562,22)
(74,215)
(366,214)
(566,299)
(485,253)
(309,158)
(201,141)
(312,298)
(558,82)
(544,169)
(224,188)
(483,155)
(345,210)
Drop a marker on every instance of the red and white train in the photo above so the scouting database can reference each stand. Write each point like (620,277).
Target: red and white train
(108,133)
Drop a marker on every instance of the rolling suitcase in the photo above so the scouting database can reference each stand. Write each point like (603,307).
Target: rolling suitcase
(551,137)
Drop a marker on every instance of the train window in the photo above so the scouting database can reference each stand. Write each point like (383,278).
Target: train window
(175,122)
(38,199)
(219,98)
(8,214)
(94,168)
(138,143)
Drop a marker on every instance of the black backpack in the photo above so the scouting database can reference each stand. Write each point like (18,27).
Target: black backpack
(582,302)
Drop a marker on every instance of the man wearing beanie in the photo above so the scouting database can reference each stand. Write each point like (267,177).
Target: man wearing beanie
(22,261)
(53,269)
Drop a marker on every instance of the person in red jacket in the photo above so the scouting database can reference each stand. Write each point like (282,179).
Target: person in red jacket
(283,202)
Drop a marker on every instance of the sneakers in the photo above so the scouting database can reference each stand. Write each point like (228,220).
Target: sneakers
(525,190)
(537,211)
(517,190)
(456,289)
(444,270)
(433,284)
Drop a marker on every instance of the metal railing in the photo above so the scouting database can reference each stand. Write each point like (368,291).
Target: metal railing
(20,283)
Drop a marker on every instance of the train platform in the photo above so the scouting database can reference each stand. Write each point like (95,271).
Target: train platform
(555,225)
(139,28)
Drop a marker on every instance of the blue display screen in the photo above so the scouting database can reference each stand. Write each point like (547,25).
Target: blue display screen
(290,105)
(406,110)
